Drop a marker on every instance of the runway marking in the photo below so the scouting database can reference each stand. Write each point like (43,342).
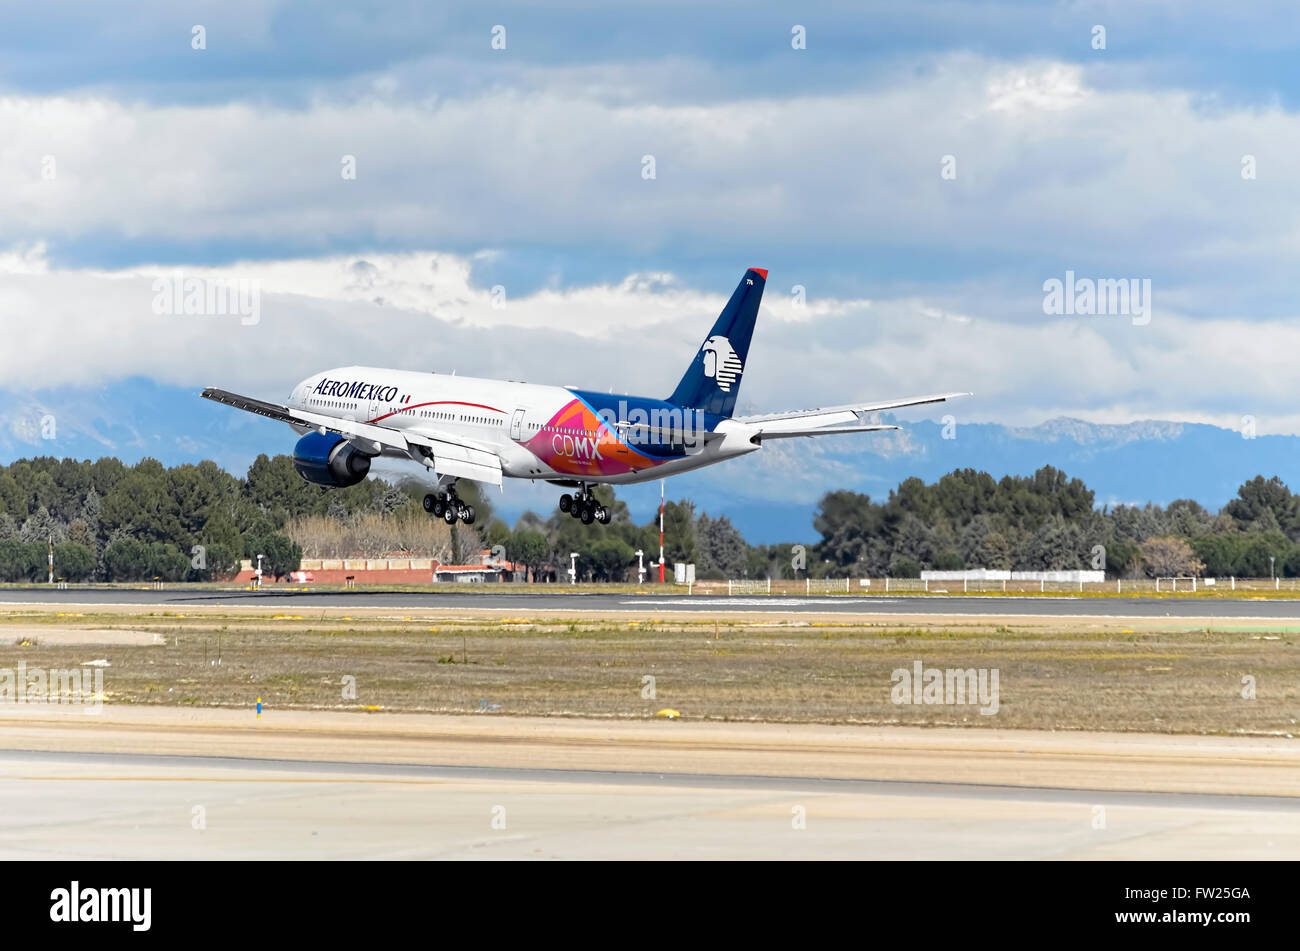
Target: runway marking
(970,745)
(454,774)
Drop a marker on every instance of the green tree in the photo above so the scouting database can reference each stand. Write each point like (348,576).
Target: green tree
(21,561)
(983,545)
(610,559)
(723,551)
(280,555)
(530,549)
(127,559)
(275,487)
(679,532)
(949,560)
(496,533)
(1253,560)
(900,567)
(73,562)
(166,562)
(1260,495)
(140,505)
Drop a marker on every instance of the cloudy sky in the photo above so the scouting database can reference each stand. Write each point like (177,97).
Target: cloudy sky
(920,169)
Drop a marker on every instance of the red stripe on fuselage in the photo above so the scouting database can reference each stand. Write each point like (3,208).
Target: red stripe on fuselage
(436,403)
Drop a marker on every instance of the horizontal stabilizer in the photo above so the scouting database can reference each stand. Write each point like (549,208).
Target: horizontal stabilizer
(848,413)
(778,433)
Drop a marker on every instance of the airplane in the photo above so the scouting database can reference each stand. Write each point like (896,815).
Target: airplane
(485,431)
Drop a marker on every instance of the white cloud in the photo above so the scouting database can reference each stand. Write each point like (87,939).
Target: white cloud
(1051,174)
(85,326)
(1046,166)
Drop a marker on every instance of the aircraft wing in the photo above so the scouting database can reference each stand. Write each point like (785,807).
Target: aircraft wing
(249,405)
(446,454)
(799,422)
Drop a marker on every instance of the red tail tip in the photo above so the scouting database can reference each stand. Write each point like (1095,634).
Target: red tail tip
(760,271)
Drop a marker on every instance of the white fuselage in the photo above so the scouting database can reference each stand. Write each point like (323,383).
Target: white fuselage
(538,432)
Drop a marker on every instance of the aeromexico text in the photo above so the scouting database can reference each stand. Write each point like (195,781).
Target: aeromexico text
(342,389)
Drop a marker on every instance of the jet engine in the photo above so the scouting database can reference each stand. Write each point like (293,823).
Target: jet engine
(330,460)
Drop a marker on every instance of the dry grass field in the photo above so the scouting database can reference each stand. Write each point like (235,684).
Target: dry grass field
(1160,675)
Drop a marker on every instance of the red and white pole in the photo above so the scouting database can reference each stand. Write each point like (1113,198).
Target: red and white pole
(661,531)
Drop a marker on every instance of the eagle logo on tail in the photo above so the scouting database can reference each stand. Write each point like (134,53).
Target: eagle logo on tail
(721,362)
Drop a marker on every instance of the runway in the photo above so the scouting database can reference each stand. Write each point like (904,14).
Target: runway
(219,784)
(525,601)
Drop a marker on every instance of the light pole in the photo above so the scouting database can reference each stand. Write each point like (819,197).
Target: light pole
(573,567)
(1270,567)
(259,570)
(661,531)
(640,567)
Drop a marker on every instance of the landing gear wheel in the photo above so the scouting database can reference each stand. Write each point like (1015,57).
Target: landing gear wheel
(429,502)
(588,514)
(602,515)
(439,507)
(449,515)
(566,502)
(467,516)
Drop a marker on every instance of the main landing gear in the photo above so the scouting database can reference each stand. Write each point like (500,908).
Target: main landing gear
(448,507)
(584,506)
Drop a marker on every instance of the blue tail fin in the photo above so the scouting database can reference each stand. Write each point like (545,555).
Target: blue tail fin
(713,378)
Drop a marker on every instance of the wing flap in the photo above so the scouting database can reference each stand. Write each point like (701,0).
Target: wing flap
(462,460)
(359,432)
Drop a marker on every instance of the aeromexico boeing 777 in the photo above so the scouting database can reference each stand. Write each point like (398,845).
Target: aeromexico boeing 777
(459,427)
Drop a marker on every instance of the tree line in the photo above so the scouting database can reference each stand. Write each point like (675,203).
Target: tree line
(113,522)
(1048,521)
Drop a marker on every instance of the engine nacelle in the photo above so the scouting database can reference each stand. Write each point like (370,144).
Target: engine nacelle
(330,460)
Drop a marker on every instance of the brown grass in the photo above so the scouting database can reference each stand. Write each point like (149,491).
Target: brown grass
(370,535)
(1094,676)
